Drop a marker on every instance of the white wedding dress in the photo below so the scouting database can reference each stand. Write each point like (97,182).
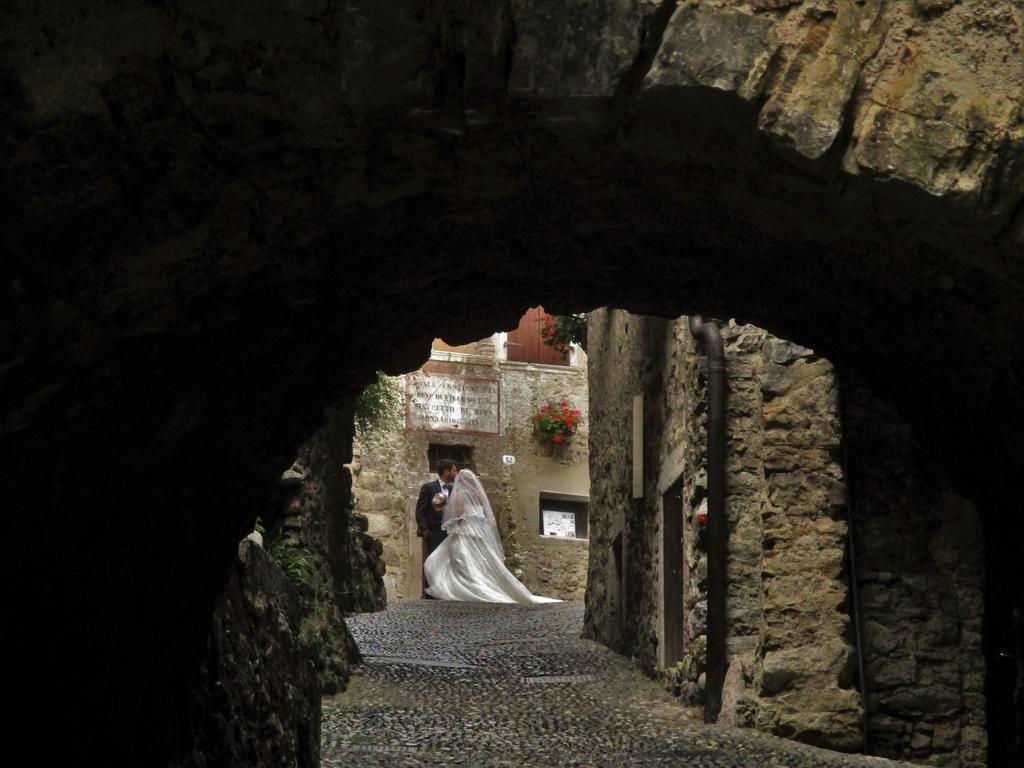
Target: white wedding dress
(469,565)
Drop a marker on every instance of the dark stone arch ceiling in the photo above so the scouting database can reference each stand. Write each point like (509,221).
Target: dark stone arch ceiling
(224,221)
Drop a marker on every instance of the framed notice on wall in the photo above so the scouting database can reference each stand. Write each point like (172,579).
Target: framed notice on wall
(557,523)
(563,515)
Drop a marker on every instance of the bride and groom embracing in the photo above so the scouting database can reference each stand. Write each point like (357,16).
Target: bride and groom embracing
(466,560)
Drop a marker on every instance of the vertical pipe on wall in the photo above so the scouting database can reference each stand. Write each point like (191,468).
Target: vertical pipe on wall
(718,525)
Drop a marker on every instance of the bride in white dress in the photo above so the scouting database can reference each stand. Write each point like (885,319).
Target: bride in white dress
(469,565)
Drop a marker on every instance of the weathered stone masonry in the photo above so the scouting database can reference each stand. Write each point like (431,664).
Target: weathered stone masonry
(390,466)
(790,637)
(209,230)
(921,588)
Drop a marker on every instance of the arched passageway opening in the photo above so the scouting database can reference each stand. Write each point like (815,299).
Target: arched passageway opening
(221,226)
(789,515)
(791,642)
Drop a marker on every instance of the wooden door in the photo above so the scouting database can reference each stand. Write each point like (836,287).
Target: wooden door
(672,550)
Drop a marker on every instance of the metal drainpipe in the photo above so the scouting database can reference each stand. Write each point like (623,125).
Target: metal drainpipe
(718,525)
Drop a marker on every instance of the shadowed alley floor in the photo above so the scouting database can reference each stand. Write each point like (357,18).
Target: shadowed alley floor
(507,685)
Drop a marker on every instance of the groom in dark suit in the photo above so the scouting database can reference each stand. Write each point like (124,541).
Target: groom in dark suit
(428,517)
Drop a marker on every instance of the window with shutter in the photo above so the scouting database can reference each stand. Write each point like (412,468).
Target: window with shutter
(524,344)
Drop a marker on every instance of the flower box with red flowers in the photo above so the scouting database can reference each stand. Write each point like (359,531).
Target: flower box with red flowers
(556,421)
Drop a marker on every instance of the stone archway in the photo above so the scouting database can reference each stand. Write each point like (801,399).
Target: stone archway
(221,225)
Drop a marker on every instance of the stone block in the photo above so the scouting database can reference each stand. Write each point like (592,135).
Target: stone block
(783,352)
(806,116)
(934,6)
(779,380)
(803,592)
(799,493)
(579,50)
(778,672)
(886,673)
(920,741)
(879,723)
(974,744)
(819,715)
(831,527)
(369,482)
(946,736)
(713,47)
(746,340)
(374,501)
(378,525)
(896,133)
(829,660)
(733,688)
(738,367)
(700,617)
(878,639)
(938,632)
(970,640)
(875,598)
(776,379)
(790,458)
(744,483)
(742,645)
(394,553)
(915,702)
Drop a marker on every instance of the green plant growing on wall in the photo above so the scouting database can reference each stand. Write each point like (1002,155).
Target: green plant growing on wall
(296,562)
(376,407)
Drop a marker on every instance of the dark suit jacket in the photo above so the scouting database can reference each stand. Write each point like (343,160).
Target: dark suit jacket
(428,518)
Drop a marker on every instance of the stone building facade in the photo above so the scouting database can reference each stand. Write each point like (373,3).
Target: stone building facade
(494,399)
(801,463)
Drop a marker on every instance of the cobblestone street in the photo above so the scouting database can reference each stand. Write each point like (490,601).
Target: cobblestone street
(507,685)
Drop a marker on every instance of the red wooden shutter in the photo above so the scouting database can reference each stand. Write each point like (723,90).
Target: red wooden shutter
(524,343)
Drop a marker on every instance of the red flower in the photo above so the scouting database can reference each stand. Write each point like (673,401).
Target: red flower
(556,421)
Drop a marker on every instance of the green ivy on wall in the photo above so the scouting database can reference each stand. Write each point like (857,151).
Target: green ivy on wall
(376,407)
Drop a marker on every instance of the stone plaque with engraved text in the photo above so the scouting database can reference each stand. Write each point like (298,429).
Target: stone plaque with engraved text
(447,402)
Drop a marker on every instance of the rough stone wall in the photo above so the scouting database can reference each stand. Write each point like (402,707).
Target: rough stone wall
(682,447)
(256,697)
(807,678)
(921,574)
(623,361)
(917,86)
(209,229)
(790,640)
(786,628)
(380,490)
(390,467)
(318,517)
